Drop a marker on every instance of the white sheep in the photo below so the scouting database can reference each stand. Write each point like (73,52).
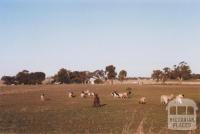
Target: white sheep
(179,98)
(83,95)
(142,100)
(125,95)
(42,97)
(71,95)
(92,94)
(88,93)
(171,97)
(166,98)
(115,94)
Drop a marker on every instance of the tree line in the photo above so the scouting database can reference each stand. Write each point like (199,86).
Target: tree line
(25,77)
(180,72)
(64,76)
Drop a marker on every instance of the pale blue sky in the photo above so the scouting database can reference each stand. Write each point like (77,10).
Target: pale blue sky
(135,35)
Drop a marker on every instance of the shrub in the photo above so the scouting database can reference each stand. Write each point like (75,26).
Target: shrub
(98,81)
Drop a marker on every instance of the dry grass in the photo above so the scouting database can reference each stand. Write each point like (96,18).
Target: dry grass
(21,110)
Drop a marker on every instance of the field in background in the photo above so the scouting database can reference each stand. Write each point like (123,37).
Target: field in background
(153,82)
(21,110)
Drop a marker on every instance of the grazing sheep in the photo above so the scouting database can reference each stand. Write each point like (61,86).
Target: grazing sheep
(115,94)
(171,97)
(179,98)
(42,97)
(96,102)
(92,94)
(125,95)
(71,95)
(83,95)
(122,95)
(166,98)
(88,93)
(142,100)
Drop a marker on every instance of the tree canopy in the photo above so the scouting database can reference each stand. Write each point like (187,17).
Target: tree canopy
(24,77)
(181,72)
(122,75)
(111,74)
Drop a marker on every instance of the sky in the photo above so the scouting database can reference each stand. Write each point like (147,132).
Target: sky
(136,35)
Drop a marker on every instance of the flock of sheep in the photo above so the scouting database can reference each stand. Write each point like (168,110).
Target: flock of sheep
(165,99)
(124,95)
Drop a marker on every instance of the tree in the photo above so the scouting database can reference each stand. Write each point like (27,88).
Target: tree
(195,76)
(111,74)
(156,75)
(84,77)
(99,74)
(63,76)
(182,71)
(98,81)
(122,75)
(9,80)
(23,77)
(165,75)
(76,77)
(36,78)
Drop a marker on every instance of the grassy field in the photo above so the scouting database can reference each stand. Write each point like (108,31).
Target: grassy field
(21,110)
